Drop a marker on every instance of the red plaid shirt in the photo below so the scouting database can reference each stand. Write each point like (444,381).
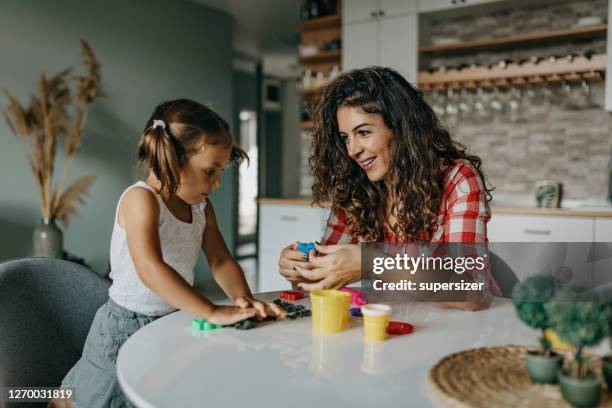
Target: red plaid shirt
(462,216)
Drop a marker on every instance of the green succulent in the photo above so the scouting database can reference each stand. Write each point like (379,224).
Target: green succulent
(530,298)
(581,323)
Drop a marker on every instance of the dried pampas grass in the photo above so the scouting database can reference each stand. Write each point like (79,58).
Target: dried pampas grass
(48,118)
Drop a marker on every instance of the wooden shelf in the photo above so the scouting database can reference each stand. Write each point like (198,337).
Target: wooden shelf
(572,33)
(309,93)
(544,70)
(322,57)
(331,21)
(308,124)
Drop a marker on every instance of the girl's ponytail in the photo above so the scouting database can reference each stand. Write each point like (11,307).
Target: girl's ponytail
(160,151)
(176,130)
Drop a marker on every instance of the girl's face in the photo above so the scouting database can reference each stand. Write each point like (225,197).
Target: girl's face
(367,140)
(202,173)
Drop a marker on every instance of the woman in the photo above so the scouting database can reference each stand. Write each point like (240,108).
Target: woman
(392,174)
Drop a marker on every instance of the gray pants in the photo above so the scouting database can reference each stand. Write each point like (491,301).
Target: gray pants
(94,378)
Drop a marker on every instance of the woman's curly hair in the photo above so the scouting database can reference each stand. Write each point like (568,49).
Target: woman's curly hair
(420,149)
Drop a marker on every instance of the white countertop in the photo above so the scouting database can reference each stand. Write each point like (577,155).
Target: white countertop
(520,205)
(282,364)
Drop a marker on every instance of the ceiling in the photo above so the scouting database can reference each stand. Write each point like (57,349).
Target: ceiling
(264,30)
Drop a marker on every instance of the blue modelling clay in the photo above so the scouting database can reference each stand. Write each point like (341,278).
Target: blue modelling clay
(306,247)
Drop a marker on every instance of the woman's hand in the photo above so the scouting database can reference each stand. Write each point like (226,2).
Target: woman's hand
(290,259)
(340,266)
(264,309)
(230,314)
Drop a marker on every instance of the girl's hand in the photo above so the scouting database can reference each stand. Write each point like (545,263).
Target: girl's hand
(340,266)
(264,309)
(230,314)
(290,259)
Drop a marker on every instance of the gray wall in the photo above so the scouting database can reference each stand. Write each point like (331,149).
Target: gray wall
(290,101)
(150,51)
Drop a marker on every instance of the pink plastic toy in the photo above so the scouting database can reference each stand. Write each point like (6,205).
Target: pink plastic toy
(357,298)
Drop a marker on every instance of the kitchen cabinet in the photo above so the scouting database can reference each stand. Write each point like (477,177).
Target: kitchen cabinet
(354,11)
(603,229)
(426,6)
(562,254)
(385,41)
(608,101)
(279,226)
(534,228)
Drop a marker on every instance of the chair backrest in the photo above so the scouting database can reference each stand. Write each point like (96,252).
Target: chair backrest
(46,308)
(503,274)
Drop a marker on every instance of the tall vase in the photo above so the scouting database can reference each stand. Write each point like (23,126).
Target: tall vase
(48,239)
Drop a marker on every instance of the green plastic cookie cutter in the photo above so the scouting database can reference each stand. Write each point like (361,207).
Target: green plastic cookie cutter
(203,324)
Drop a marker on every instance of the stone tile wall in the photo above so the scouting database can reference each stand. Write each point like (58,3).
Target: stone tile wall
(552,141)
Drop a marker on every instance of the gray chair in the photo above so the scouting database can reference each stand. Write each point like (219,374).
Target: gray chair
(503,275)
(46,308)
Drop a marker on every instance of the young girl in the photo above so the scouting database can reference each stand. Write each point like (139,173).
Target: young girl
(160,225)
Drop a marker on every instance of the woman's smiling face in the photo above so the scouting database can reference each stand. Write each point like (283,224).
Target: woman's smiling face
(367,140)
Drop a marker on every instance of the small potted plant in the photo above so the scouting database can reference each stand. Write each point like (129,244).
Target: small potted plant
(606,361)
(530,298)
(581,323)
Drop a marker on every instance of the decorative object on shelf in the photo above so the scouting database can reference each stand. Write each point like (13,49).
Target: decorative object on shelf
(307,50)
(493,377)
(43,123)
(588,21)
(548,194)
(582,323)
(590,31)
(312,9)
(530,297)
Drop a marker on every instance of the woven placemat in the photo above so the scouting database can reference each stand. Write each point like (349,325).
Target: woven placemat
(494,377)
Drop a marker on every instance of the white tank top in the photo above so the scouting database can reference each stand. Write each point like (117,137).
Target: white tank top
(181,243)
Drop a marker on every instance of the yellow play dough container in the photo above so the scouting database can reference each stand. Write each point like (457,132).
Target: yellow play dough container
(330,311)
(375,322)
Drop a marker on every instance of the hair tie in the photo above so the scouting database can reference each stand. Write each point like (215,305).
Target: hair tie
(158,123)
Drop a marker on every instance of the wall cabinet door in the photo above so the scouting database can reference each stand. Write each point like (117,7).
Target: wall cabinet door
(438,5)
(399,45)
(360,45)
(390,8)
(389,42)
(354,11)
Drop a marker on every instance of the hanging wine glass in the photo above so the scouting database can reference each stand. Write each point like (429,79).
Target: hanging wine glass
(452,107)
(438,103)
(515,107)
(498,101)
(466,103)
(482,106)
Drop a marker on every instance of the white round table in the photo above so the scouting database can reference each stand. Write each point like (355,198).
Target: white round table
(282,364)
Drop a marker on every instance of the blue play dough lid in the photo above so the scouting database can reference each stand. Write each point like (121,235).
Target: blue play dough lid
(306,247)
